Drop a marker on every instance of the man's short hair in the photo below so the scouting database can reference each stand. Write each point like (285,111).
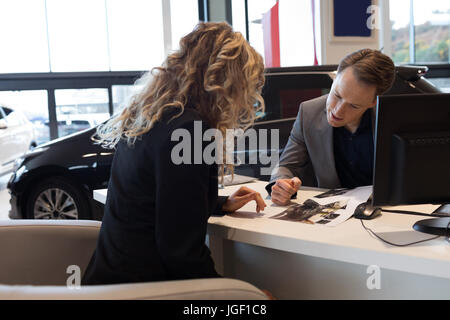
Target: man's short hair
(371,67)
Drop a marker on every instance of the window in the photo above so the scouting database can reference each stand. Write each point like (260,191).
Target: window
(90,35)
(80,109)
(256,9)
(122,95)
(82,36)
(432,27)
(295,25)
(296,33)
(23,36)
(77,35)
(428,41)
(184,17)
(135,29)
(399,16)
(238,15)
(34,107)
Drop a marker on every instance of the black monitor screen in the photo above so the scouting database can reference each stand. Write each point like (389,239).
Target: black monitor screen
(412,155)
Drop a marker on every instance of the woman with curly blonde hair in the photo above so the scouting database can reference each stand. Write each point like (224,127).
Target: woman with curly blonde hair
(156,211)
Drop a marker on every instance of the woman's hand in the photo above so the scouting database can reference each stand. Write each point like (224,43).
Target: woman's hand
(241,197)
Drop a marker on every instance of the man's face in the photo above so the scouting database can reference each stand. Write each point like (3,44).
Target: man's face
(348,100)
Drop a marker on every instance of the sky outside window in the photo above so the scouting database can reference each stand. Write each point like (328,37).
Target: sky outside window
(77,35)
(23,36)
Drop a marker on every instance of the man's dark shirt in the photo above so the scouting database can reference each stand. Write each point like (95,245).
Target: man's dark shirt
(353,153)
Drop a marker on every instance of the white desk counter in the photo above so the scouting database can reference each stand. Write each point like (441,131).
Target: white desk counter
(296,261)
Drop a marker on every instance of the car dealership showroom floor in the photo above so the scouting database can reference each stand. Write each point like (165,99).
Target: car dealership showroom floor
(4,197)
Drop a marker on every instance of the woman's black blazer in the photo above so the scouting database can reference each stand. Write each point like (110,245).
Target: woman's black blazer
(156,212)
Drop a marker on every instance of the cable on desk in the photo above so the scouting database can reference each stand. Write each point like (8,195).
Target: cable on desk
(401,245)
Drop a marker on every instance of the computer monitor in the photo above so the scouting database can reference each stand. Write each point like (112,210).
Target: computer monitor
(412,153)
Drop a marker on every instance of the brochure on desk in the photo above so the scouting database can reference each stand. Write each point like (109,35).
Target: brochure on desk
(328,209)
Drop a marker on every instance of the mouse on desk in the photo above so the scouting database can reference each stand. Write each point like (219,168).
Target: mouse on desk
(365,211)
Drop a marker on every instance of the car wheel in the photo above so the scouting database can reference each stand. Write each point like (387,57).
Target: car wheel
(57,198)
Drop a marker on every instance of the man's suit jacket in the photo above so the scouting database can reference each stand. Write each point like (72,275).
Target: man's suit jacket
(309,153)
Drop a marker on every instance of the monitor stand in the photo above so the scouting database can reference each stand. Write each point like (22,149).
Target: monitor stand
(437,226)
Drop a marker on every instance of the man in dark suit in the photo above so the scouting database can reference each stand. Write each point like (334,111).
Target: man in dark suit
(331,142)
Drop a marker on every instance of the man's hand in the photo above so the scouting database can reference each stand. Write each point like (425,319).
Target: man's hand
(238,199)
(283,189)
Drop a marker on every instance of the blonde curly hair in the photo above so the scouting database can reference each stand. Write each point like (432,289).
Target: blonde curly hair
(215,71)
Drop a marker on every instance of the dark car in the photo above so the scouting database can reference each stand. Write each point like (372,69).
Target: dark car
(56,180)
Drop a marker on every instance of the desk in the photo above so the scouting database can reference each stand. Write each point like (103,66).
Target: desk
(300,261)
